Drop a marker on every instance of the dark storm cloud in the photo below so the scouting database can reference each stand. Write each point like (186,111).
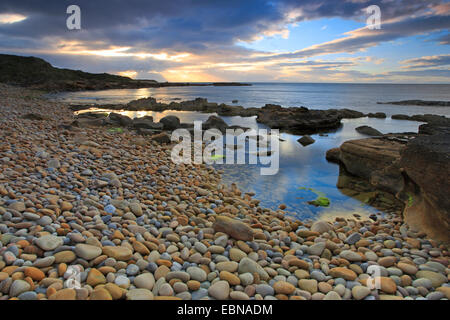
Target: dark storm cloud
(181,24)
(160,24)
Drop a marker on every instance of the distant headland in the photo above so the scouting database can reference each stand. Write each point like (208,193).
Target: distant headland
(36,73)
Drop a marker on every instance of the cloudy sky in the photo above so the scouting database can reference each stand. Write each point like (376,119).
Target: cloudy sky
(237,40)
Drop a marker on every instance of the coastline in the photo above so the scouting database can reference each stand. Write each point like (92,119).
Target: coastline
(164,240)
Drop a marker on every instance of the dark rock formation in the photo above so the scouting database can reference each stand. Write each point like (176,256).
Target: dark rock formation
(333,155)
(379,115)
(368,131)
(141,123)
(306,140)
(298,120)
(364,156)
(37,73)
(117,118)
(428,128)
(363,191)
(400,117)
(429,118)
(418,103)
(415,169)
(295,120)
(426,163)
(170,122)
(215,122)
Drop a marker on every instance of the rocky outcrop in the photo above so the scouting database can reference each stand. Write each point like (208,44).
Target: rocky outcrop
(426,164)
(429,118)
(333,155)
(418,103)
(363,157)
(414,168)
(37,73)
(296,120)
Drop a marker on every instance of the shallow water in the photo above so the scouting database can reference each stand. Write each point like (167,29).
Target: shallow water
(361,97)
(298,166)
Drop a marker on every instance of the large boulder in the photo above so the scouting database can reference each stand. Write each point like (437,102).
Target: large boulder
(120,119)
(234,228)
(333,155)
(415,170)
(298,120)
(368,131)
(147,123)
(215,122)
(170,122)
(426,163)
(364,156)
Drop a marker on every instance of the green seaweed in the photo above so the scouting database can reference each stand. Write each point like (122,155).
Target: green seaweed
(320,201)
(217,156)
(410,200)
(115,130)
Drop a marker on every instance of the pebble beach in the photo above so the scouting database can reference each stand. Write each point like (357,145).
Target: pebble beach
(139,227)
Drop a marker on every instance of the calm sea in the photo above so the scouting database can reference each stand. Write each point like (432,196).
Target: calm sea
(362,97)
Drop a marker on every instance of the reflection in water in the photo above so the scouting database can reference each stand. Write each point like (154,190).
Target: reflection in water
(364,192)
(299,166)
(184,116)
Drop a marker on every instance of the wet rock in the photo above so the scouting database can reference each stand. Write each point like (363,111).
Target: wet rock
(216,123)
(425,161)
(306,140)
(120,119)
(368,131)
(170,122)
